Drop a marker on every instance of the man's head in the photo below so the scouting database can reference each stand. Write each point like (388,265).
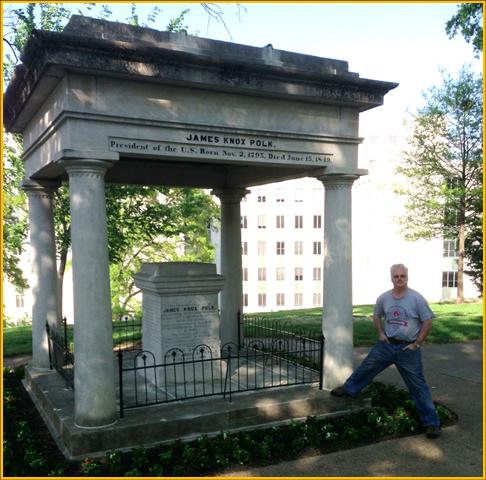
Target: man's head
(399,275)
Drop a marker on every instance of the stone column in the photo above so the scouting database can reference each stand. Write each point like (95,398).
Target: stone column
(94,374)
(337,322)
(232,293)
(44,271)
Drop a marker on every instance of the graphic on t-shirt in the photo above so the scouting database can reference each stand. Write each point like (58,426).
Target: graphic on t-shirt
(396,315)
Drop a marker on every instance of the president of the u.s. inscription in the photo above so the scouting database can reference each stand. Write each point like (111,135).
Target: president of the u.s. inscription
(223,148)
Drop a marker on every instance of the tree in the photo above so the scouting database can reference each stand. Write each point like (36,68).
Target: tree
(179,232)
(443,169)
(469,21)
(19,25)
(14,213)
(144,223)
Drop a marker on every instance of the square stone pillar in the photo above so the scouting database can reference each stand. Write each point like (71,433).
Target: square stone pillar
(181,317)
(180,306)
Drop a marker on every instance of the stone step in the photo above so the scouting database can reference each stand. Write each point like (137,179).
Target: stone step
(185,420)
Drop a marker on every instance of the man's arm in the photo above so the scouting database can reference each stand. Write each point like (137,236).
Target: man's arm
(379,329)
(422,335)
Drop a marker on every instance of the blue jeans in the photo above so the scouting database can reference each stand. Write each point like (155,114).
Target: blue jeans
(409,364)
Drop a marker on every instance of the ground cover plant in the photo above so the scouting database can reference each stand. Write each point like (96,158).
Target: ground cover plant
(29,449)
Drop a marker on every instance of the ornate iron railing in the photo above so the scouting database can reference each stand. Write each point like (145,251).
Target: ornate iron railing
(127,333)
(308,347)
(270,354)
(256,364)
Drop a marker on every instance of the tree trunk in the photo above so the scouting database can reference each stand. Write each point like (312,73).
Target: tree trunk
(460,265)
(132,293)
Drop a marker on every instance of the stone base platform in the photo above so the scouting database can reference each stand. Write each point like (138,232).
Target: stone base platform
(185,420)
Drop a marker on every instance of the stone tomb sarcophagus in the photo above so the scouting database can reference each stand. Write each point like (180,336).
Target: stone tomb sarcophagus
(181,321)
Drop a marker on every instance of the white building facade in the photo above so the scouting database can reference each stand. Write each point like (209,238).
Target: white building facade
(282,239)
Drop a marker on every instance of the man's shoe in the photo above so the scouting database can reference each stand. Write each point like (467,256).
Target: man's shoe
(340,392)
(432,431)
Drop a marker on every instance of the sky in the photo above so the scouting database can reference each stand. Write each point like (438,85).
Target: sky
(398,42)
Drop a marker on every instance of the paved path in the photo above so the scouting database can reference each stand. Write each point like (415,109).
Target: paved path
(16,361)
(454,373)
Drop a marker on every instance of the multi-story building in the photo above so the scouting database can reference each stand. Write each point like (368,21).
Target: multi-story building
(282,246)
(283,240)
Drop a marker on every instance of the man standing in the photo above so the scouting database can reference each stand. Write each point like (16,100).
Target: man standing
(407,322)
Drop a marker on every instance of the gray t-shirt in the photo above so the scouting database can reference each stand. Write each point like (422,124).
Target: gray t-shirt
(403,316)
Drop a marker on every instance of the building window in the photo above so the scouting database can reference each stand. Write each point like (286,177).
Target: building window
(449,279)
(244,248)
(280,274)
(316,299)
(262,221)
(280,299)
(245,274)
(262,248)
(280,195)
(262,196)
(318,194)
(280,248)
(245,299)
(316,273)
(317,221)
(262,299)
(451,248)
(299,248)
(299,299)
(299,221)
(280,221)
(299,195)
(19,300)
(244,221)
(262,274)
(299,274)
(317,248)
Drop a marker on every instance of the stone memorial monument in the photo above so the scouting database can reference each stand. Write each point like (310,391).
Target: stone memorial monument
(180,313)
(104,102)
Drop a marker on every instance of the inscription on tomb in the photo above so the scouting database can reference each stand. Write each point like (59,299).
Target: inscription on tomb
(185,324)
(231,148)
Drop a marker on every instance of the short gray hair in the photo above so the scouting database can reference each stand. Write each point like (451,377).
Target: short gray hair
(396,266)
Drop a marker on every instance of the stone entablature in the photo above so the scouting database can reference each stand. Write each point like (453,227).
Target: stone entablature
(166,106)
(115,49)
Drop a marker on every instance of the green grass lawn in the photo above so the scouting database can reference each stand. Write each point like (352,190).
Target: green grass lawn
(18,340)
(452,323)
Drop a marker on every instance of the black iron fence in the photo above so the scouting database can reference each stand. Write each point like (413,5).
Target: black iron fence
(61,356)
(283,338)
(127,333)
(269,354)
(266,359)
